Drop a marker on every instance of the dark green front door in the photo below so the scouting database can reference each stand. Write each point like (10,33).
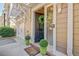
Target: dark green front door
(39,29)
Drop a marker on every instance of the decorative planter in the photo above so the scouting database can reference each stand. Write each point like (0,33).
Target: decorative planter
(43,50)
(27,42)
(43,47)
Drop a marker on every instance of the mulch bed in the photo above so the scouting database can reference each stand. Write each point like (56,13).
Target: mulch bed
(33,50)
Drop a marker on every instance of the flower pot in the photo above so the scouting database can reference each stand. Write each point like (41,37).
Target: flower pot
(43,50)
(27,42)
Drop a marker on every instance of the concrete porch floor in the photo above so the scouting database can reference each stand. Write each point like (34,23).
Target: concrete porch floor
(10,47)
(16,49)
(13,49)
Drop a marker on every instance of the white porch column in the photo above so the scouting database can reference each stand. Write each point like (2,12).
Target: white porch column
(70,30)
(54,29)
(33,26)
(45,23)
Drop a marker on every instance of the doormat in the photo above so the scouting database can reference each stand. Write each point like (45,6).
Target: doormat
(32,51)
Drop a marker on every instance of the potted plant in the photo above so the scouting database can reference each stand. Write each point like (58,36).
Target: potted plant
(27,40)
(43,46)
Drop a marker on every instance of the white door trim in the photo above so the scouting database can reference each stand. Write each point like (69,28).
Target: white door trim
(54,22)
(45,25)
(33,26)
(54,29)
(45,20)
(70,30)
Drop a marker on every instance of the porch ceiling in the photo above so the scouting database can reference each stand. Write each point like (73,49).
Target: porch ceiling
(33,4)
(20,8)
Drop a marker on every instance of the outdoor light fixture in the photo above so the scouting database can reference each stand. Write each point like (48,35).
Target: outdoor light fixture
(52,26)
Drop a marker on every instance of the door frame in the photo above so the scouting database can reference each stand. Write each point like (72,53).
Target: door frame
(33,21)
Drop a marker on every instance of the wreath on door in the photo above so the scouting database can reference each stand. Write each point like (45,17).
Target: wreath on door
(41,19)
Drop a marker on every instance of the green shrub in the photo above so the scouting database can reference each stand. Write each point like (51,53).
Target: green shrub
(27,37)
(7,32)
(43,43)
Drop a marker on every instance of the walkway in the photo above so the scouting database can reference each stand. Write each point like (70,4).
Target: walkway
(11,48)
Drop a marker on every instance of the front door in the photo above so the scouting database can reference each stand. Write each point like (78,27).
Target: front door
(39,27)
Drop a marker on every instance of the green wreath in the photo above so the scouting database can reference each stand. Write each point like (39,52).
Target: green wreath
(41,19)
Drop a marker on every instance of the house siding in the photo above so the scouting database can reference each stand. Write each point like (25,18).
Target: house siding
(61,28)
(76,30)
